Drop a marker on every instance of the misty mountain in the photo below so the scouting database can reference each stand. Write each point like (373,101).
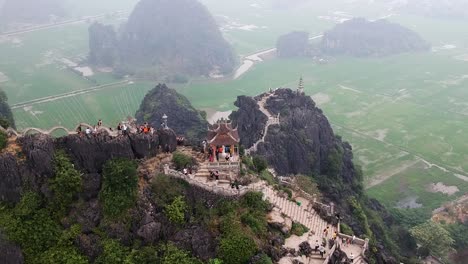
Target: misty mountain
(362,38)
(30,11)
(103,45)
(432,8)
(168,37)
(294,44)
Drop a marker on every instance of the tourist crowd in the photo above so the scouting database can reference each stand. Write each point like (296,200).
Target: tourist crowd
(122,129)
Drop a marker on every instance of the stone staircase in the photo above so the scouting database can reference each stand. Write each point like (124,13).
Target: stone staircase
(272,120)
(299,214)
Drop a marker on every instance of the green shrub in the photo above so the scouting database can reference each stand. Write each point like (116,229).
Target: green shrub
(236,248)
(307,184)
(113,253)
(268,177)
(247,160)
(30,226)
(255,202)
(260,164)
(335,162)
(3,140)
(145,255)
(175,211)
(182,161)
(165,189)
(256,222)
(4,122)
(345,229)
(65,183)
(64,251)
(174,255)
(119,187)
(298,229)
(433,237)
(360,215)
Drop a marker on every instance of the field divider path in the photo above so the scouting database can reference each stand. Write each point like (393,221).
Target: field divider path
(53,25)
(66,95)
(430,163)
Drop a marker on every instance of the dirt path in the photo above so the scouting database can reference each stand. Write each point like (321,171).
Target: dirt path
(250,60)
(48,26)
(65,95)
(430,164)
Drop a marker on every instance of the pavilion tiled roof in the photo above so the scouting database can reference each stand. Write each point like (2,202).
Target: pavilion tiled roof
(223,133)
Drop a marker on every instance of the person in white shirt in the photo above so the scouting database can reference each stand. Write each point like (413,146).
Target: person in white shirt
(322,250)
(351,257)
(88,131)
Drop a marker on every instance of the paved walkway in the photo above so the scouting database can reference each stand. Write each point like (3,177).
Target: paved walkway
(11,131)
(303,214)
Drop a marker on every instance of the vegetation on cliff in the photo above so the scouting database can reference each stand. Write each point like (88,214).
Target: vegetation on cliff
(165,38)
(99,207)
(6,116)
(362,38)
(183,118)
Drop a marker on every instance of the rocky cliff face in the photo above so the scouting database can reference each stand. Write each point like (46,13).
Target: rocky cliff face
(9,253)
(184,119)
(304,143)
(362,38)
(249,120)
(88,154)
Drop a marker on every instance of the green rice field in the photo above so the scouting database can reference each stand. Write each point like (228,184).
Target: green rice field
(406,116)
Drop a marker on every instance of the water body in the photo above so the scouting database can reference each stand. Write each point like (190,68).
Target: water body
(250,60)
(409,203)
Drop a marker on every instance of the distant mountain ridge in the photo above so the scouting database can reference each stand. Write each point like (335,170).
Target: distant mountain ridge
(165,37)
(362,38)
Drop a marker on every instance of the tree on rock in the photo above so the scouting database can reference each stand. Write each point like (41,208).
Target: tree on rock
(119,188)
(433,237)
(6,116)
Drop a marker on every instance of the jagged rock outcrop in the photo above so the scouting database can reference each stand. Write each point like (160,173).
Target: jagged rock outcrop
(249,120)
(10,182)
(362,38)
(30,11)
(184,119)
(89,154)
(167,38)
(9,253)
(198,240)
(294,44)
(304,143)
(301,144)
